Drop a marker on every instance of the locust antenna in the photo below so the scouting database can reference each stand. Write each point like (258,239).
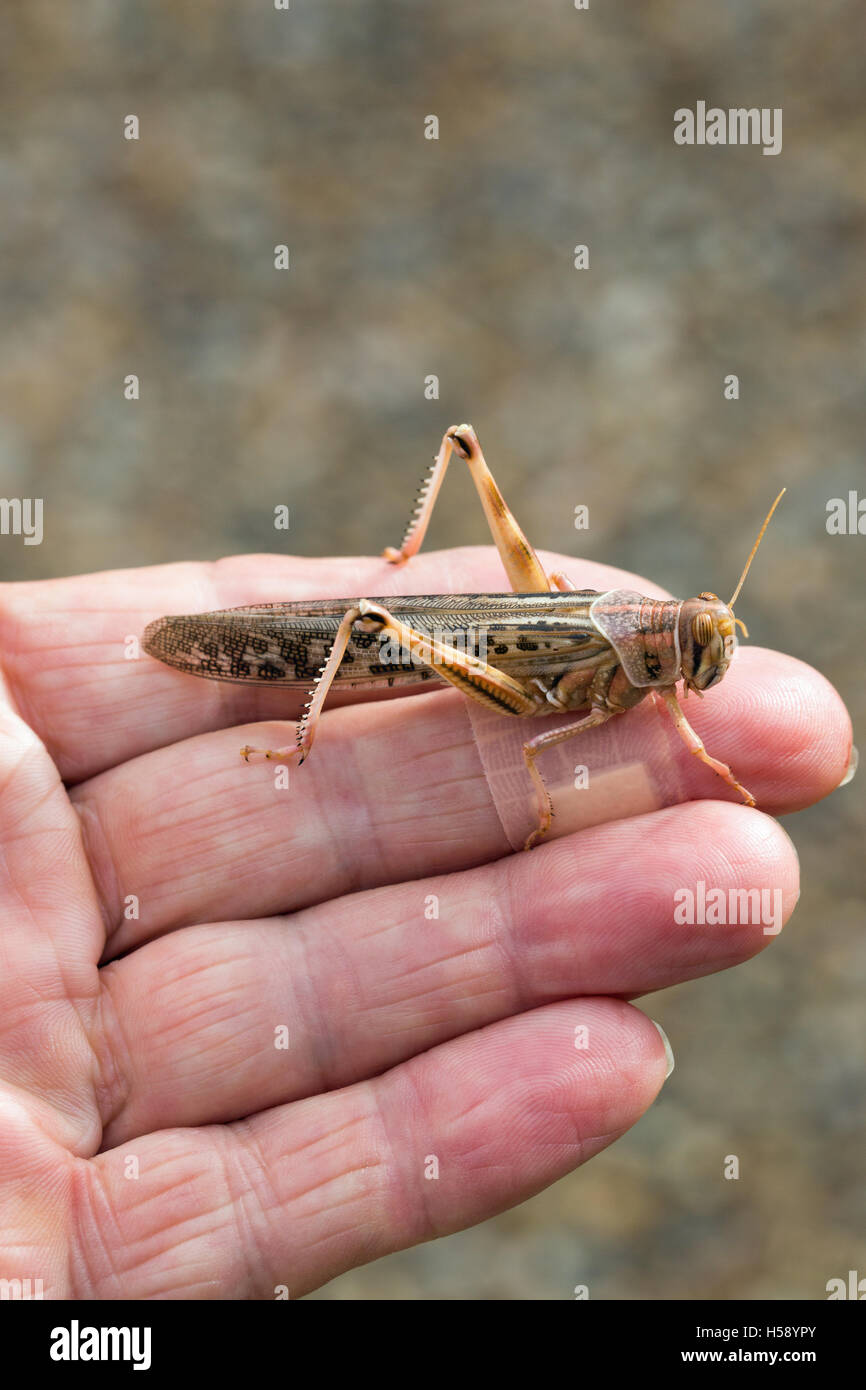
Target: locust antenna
(736,592)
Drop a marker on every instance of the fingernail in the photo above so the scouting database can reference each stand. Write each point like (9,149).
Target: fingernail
(851,768)
(669,1052)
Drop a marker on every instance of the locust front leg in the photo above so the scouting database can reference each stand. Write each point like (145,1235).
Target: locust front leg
(695,745)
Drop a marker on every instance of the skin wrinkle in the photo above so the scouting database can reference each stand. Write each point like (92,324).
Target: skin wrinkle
(242,1128)
(313,1008)
(727,866)
(65,833)
(405,974)
(503,939)
(558,1085)
(94,1229)
(471,776)
(206,1009)
(221,812)
(183,1218)
(201,876)
(435,1010)
(446,994)
(109,1038)
(196,963)
(325,1138)
(242,1154)
(204,841)
(106,880)
(100,862)
(377,929)
(464,950)
(371,833)
(626,1064)
(331,835)
(292,1199)
(404,1087)
(434,816)
(576,938)
(328,1200)
(196,1074)
(723,862)
(458,779)
(192,1260)
(475,1106)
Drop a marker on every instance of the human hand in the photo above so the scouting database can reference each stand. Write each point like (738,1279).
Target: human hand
(157,1140)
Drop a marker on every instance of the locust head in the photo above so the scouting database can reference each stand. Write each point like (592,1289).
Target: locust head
(708,640)
(708,629)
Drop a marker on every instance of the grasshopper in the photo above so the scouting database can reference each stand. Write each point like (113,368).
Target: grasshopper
(554,648)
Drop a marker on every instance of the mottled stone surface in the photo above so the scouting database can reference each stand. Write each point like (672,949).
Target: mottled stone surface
(602,387)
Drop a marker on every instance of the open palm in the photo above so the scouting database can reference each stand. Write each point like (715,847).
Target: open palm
(238,1051)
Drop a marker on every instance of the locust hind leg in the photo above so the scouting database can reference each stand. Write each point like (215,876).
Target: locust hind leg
(695,745)
(306,730)
(468,673)
(275,754)
(522,565)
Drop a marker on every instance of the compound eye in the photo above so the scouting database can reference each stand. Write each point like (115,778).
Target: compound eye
(702,628)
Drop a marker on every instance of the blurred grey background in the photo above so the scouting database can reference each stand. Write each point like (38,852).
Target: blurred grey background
(412,257)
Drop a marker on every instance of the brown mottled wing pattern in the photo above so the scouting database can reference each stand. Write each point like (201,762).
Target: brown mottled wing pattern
(287,643)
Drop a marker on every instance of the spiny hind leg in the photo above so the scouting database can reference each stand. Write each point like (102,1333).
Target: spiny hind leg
(469,674)
(522,565)
(306,730)
(466,672)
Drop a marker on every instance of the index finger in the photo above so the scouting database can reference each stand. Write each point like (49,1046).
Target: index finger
(69,646)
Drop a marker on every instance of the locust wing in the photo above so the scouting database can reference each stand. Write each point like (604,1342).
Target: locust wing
(287,643)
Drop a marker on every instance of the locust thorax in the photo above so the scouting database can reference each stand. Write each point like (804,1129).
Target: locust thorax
(708,640)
